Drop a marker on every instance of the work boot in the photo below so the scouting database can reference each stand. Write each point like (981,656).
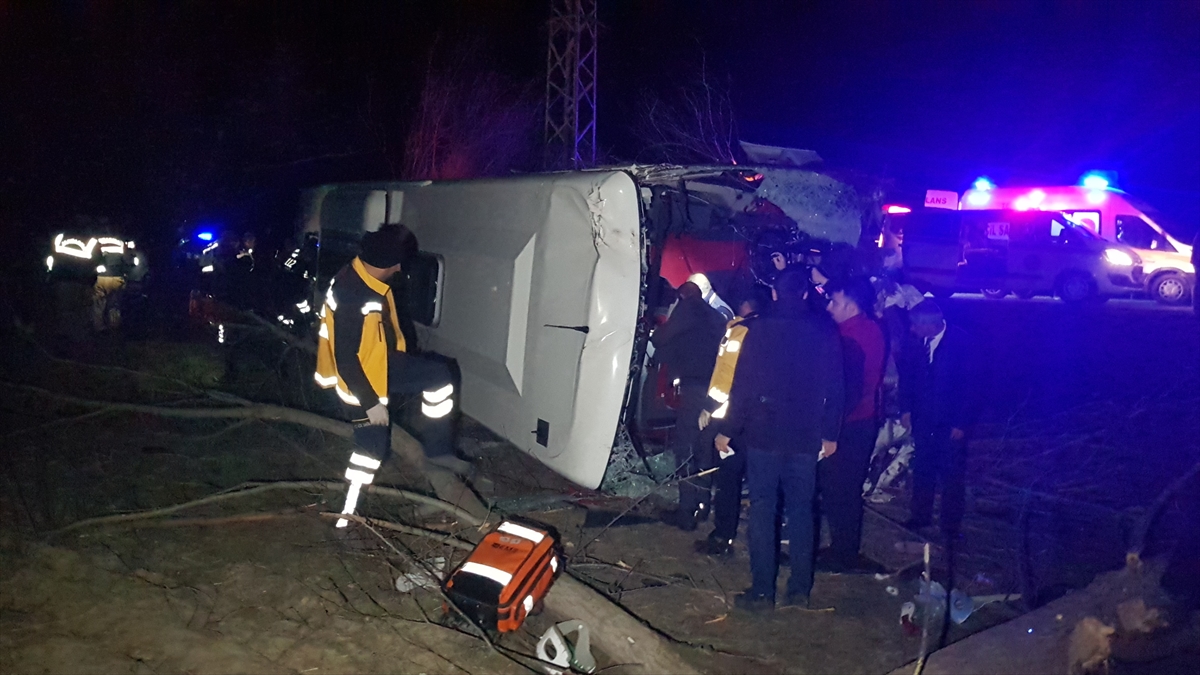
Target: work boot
(754,603)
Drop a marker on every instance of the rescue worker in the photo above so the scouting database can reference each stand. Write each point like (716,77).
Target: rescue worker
(362,356)
(784,410)
(115,260)
(687,344)
(71,269)
(727,502)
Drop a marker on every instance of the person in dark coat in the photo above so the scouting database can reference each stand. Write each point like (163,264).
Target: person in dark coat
(785,412)
(935,407)
(687,345)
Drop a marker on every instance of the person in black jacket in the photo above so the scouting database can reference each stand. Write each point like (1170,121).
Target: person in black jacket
(785,410)
(935,407)
(687,344)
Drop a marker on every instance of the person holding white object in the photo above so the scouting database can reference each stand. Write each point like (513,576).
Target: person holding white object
(362,355)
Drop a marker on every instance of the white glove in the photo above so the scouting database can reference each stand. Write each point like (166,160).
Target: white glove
(378,415)
(726,454)
(705,418)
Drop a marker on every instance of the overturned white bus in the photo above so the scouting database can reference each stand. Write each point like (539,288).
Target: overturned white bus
(543,287)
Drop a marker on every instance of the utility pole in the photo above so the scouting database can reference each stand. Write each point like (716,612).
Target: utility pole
(571,82)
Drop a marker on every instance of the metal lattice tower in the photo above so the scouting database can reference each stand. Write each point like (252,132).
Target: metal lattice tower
(571,81)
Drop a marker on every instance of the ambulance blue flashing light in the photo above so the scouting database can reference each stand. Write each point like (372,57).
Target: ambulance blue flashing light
(983,184)
(1094,181)
(204,236)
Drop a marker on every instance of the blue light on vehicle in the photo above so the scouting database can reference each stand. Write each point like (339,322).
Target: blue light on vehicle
(1094,181)
(982,183)
(977,198)
(205,236)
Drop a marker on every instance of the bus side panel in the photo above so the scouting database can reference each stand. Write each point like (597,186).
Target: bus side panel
(539,305)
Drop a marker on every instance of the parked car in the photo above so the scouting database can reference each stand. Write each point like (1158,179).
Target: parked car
(1023,252)
(1117,217)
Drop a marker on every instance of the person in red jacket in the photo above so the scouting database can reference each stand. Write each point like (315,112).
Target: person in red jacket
(840,477)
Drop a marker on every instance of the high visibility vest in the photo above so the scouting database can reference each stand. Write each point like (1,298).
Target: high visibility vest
(721,382)
(359,297)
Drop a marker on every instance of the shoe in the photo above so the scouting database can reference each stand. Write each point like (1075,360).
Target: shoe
(754,603)
(714,547)
(795,601)
(680,519)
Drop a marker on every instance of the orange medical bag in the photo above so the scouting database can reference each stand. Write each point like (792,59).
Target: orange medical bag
(506,576)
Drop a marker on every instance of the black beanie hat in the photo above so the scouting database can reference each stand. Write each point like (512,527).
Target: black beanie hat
(389,245)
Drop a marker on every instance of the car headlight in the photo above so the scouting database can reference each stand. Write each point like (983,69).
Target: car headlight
(1116,256)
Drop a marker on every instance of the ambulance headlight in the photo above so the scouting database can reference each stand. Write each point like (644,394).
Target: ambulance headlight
(1116,256)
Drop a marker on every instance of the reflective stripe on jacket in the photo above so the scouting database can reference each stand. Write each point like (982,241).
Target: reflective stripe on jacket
(354,337)
(721,382)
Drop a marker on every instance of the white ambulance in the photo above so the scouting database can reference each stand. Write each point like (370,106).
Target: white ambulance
(1112,214)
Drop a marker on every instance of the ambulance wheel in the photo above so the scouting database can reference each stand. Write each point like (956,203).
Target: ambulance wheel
(1076,287)
(994,293)
(1170,288)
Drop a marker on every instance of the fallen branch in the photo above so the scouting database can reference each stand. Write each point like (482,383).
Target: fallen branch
(1143,531)
(440,537)
(447,486)
(622,636)
(249,489)
(213,522)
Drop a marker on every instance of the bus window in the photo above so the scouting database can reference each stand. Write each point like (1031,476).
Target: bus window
(1135,232)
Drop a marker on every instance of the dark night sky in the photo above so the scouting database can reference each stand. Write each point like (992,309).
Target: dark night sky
(157,111)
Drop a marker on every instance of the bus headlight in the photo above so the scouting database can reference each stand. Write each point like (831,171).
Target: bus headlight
(1116,256)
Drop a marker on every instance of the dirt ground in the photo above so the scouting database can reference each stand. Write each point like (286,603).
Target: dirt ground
(283,594)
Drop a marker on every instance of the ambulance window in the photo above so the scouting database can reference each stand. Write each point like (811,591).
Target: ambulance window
(422,288)
(1135,232)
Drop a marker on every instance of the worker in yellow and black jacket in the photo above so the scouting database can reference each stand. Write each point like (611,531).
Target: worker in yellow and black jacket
(362,356)
(727,502)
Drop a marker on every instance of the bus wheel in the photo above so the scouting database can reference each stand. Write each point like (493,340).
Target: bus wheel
(1026,295)
(995,293)
(1076,287)
(1170,288)
(941,293)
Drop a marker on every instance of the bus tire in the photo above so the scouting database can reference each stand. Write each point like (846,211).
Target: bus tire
(994,293)
(942,293)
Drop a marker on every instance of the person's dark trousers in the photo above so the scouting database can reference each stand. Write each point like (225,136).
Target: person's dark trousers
(417,387)
(794,476)
(840,482)
(727,503)
(376,440)
(938,460)
(693,446)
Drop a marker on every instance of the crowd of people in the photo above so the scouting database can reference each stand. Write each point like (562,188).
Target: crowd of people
(789,400)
